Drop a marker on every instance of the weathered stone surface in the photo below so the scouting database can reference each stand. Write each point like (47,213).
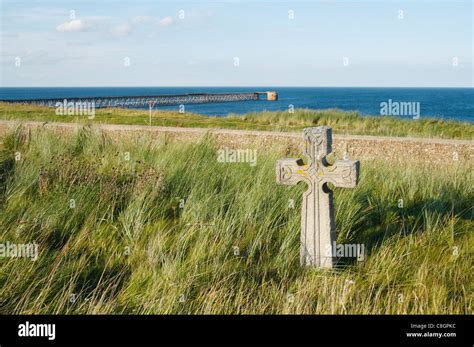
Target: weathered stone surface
(318,232)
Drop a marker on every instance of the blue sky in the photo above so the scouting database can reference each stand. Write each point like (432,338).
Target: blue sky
(183,43)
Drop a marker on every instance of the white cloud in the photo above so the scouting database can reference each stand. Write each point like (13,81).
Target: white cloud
(121,30)
(166,21)
(142,19)
(73,25)
(189,18)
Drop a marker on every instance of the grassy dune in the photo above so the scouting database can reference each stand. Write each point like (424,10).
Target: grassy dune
(341,122)
(131,245)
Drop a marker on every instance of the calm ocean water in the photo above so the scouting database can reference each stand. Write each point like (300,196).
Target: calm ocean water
(448,103)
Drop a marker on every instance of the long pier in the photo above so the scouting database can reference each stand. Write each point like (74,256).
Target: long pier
(145,101)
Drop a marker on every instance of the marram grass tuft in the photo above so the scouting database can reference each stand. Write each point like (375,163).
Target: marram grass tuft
(139,226)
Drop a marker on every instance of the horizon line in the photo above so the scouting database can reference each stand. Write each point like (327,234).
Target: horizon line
(239,86)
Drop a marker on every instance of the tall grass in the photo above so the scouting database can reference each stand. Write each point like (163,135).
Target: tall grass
(353,123)
(166,228)
(342,122)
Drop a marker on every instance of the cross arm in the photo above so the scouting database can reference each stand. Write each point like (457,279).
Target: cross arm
(343,173)
(289,171)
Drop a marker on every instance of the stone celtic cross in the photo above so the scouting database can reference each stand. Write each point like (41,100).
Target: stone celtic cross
(318,232)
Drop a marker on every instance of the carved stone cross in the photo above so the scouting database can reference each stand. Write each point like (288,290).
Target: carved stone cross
(318,232)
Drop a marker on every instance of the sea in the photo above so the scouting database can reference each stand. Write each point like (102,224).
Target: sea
(445,103)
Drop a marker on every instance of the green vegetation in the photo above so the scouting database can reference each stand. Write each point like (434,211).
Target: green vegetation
(341,122)
(129,244)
